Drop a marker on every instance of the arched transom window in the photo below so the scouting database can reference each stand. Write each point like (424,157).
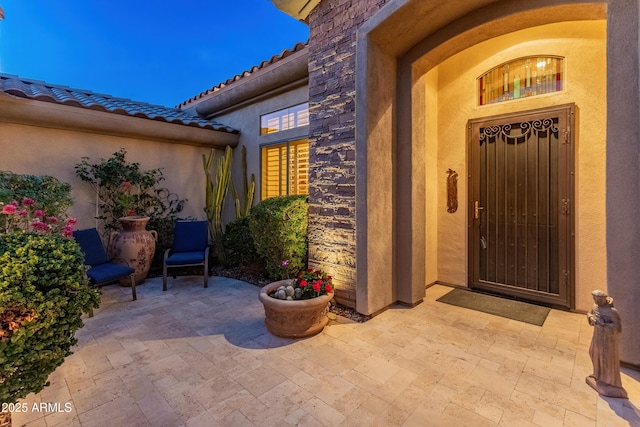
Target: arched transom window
(520,78)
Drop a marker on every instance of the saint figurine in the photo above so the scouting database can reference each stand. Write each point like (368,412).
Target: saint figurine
(605,346)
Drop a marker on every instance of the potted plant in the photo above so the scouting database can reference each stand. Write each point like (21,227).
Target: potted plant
(129,198)
(297,308)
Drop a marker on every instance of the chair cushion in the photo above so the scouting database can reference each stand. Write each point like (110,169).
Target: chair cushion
(183,258)
(91,245)
(107,272)
(191,236)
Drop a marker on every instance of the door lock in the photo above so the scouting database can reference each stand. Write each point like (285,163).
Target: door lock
(477,209)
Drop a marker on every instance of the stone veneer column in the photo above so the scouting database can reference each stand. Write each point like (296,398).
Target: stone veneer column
(332,177)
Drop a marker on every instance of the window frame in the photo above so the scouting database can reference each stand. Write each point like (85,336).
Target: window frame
(509,85)
(291,111)
(286,144)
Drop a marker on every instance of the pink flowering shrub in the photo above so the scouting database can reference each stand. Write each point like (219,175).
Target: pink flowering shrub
(22,216)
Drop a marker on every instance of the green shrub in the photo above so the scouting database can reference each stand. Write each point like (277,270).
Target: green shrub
(238,243)
(279,229)
(49,194)
(43,292)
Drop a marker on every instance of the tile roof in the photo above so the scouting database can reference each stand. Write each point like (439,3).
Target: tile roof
(275,58)
(64,95)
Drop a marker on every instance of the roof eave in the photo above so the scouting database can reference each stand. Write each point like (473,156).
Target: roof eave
(291,71)
(49,115)
(299,9)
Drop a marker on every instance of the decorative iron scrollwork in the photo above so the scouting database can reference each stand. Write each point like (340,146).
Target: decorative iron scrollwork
(526,128)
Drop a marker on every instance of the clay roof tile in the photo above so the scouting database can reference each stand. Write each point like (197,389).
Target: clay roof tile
(64,95)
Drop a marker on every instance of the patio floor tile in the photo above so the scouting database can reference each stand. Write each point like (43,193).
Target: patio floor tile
(193,357)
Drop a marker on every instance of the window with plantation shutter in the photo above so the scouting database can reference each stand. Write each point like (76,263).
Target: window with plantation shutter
(285,168)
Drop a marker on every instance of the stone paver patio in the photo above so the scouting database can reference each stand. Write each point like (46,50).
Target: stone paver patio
(202,357)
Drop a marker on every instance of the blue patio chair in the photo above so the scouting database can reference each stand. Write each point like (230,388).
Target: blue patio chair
(102,270)
(190,248)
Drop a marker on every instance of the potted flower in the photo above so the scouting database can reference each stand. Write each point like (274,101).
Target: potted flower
(296,308)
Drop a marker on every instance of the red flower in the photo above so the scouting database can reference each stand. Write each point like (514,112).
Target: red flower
(328,287)
(131,212)
(309,270)
(329,277)
(299,274)
(126,184)
(316,286)
(318,272)
(303,283)
(52,220)
(27,201)
(9,209)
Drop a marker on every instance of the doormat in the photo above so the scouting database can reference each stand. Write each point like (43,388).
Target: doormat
(511,309)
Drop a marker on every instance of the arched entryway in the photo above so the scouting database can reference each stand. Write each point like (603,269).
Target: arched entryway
(401,81)
(505,247)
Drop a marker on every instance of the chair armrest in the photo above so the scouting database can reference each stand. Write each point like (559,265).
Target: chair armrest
(166,255)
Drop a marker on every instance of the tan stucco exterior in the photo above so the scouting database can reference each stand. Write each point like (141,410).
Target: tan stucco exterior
(583,45)
(406,39)
(55,150)
(240,105)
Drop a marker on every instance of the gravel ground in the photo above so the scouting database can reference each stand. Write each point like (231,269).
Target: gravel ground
(258,280)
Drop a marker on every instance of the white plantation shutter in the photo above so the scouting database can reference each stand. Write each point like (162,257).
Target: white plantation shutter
(299,167)
(285,169)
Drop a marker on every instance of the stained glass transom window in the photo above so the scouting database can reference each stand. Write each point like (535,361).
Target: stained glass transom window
(520,78)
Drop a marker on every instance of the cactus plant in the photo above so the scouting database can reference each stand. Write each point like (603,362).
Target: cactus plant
(216,193)
(248,189)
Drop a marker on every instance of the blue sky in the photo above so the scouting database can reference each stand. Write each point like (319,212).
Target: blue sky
(157,51)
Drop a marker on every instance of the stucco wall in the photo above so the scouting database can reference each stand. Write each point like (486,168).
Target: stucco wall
(583,46)
(45,151)
(434,174)
(247,120)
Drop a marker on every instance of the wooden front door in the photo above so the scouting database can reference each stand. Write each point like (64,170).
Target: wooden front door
(521,185)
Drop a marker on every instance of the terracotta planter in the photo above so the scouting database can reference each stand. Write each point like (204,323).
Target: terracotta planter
(135,244)
(294,319)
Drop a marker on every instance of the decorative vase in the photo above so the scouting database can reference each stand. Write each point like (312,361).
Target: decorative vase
(296,318)
(135,245)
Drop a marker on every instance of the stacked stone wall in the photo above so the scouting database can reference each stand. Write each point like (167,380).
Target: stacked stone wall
(332,177)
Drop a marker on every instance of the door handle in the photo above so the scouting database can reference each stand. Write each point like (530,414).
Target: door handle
(477,209)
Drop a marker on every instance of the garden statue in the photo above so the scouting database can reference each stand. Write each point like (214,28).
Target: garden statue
(605,347)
